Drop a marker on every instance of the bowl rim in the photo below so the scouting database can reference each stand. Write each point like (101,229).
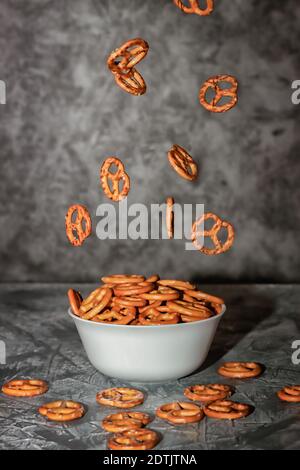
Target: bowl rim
(149,327)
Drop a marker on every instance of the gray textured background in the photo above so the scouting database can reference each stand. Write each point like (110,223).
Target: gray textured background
(64,115)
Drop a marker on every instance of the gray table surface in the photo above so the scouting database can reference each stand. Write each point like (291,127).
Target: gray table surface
(261,324)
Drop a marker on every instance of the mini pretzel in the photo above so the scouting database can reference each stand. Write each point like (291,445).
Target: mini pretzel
(240,370)
(79,229)
(132,83)
(195,7)
(120,422)
(121,317)
(212,233)
(170,217)
(134,439)
(123,279)
(183,163)
(213,83)
(208,393)
(186,308)
(25,388)
(130,301)
(124,58)
(154,316)
(121,397)
(180,412)
(176,284)
(62,410)
(290,393)
(75,300)
(198,294)
(153,278)
(136,289)
(115,178)
(226,409)
(95,303)
(162,293)
(152,304)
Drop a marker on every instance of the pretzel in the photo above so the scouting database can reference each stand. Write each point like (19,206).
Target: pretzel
(132,83)
(186,308)
(115,178)
(120,397)
(153,304)
(136,289)
(134,439)
(226,409)
(25,387)
(124,58)
(176,284)
(123,279)
(213,83)
(95,303)
(290,393)
(75,300)
(195,7)
(162,293)
(121,317)
(153,278)
(130,302)
(198,294)
(156,316)
(219,247)
(208,393)
(170,217)
(183,163)
(180,412)
(240,370)
(79,229)
(62,410)
(120,422)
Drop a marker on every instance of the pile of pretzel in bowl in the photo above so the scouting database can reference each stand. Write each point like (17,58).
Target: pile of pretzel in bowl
(125,299)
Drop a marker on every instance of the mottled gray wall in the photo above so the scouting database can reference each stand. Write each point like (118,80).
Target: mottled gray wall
(64,115)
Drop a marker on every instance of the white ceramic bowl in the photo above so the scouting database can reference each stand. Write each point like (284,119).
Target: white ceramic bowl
(147,353)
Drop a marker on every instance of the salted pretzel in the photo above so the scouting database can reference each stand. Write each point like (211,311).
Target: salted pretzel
(240,370)
(180,412)
(183,163)
(124,58)
(117,317)
(195,7)
(170,217)
(117,178)
(62,410)
(75,300)
(120,397)
(25,387)
(134,439)
(123,279)
(120,422)
(79,229)
(132,83)
(158,316)
(208,393)
(176,284)
(152,304)
(290,393)
(226,409)
(95,303)
(199,295)
(213,83)
(212,233)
